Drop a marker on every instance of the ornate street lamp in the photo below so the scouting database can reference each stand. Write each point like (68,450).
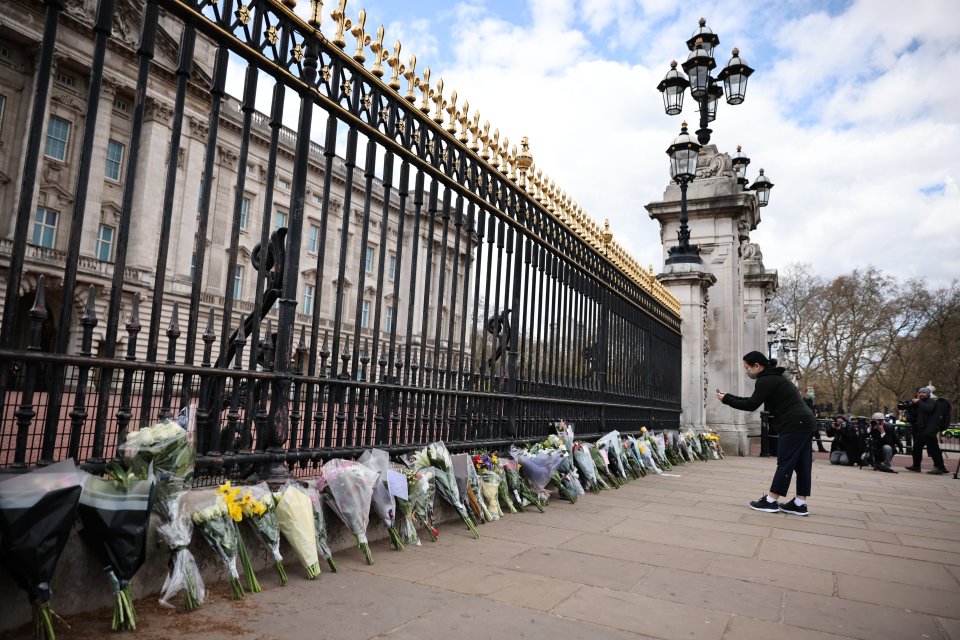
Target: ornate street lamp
(740,162)
(703,87)
(683,169)
(762,186)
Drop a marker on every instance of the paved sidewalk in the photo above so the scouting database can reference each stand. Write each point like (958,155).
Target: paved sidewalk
(671,556)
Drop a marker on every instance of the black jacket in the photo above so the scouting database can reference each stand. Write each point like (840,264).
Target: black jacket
(780,397)
(933,415)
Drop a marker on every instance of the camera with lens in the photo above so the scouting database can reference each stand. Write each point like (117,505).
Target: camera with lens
(903,405)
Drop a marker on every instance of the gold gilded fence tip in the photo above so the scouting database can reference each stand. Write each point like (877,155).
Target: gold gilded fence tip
(359,32)
(379,53)
(413,80)
(316,13)
(524,159)
(343,23)
(425,91)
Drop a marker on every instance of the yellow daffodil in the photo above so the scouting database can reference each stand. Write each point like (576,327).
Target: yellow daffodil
(224,489)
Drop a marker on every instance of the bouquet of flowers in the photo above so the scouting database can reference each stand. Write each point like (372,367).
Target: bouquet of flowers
(320,526)
(518,487)
(633,455)
(615,458)
(348,487)
(114,515)
(37,510)
(382,501)
(642,451)
(657,448)
(484,465)
(475,492)
(437,456)
(166,449)
(423,500)
(566,475)
(260,510)
(537,469)
(405,505)
(296,519)
(235,507)
(503,490)
(600,458)
(220,531)
(584,461)
(713,445)
(553,445)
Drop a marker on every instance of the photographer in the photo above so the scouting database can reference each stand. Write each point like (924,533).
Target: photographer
(845,449)
(881,443)
(930,416)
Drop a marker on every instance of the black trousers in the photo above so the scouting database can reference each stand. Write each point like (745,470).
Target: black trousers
(794,455)
(930,441)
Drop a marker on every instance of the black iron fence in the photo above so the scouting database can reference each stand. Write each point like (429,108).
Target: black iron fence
(384,272)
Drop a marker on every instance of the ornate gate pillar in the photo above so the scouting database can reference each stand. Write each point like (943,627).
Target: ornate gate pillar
(733,320)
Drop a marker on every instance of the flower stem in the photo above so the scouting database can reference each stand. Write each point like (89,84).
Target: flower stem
(236,588)
(365,548)
(333,565)
(252,584)
(282,572)
(395,541)
(313,571)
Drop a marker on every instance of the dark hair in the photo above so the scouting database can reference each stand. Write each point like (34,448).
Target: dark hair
(755,358)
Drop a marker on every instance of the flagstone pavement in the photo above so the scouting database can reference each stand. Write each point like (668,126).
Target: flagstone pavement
(673,556)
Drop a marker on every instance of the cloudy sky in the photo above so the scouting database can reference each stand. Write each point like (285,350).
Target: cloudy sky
(852,111)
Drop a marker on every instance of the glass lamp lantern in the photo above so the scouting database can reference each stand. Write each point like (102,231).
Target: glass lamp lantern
(740,161)
(734,77)
(672,87)
(697,67)
(683,156)
(762,186)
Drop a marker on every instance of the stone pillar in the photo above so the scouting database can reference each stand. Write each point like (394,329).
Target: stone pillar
(689,284)
(759,285)
(721,216)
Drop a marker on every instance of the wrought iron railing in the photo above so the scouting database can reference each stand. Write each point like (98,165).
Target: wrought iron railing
(489,305)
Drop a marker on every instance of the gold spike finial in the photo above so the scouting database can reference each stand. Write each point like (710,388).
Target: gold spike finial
(316,13)
(464,120)
(343,23)
(452,112)
(439,102)
(425,91)
(524,159)
(359,32)
(413,81)
(397,67)
(379,53)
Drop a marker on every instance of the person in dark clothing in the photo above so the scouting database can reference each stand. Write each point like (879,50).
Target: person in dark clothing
(845,442)
(808,399)
(931,415)
(882,443)
(795,423)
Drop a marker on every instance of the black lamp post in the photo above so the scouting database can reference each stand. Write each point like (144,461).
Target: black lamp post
(703,87)
(683,169)
(762,186)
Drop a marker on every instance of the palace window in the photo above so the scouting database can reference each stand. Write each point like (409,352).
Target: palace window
(308,291)
(104,243)
(244,212)
(58,135)
(114,160)
(313,240)
(45,228)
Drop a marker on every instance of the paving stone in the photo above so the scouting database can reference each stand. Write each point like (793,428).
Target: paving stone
(653,554)
(917,553)
(599,571)
(688,537)
(906,571)
(926,542)
(480,618)
(816,523)
(514,587)
(533,534)
(856,619)
(713,592)
(951,626)
(915,599)
(821,539)
(743,628)
(707,522)
(642,614)
(774,574)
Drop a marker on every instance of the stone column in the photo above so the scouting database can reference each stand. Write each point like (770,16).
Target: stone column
(689,284)
(721,216)
(759,285)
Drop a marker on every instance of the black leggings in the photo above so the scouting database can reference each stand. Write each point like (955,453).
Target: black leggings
(794,455)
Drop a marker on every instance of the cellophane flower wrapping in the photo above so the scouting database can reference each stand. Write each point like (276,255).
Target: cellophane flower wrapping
(476,487)
(166,449)
(503,490)
(560,476)
(406,507)
(383,501)
(611,442)
(436,455)
(520,491)
(537,469)
(642,451)
(603,469)
(237,509)
(490,485)
(296,520)
(37,510)
(320,525)
(588,469)
(423,503)
(348,487)
(218,528)
(261,512)
(114,520)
